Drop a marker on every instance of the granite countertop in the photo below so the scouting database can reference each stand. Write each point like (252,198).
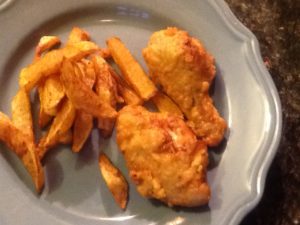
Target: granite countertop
(276,24)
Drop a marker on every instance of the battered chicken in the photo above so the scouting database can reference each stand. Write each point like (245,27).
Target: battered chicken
(183,68)
(164,157)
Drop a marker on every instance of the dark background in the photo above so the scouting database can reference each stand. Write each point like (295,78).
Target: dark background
(276,24)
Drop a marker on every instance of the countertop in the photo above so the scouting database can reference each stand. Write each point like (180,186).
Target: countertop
(276,24)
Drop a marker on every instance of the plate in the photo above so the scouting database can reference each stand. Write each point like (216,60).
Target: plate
(243,92)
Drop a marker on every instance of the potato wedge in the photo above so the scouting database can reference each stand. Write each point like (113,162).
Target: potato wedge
(66,138)
(83,126)
(106,89)
(51,62)
(128,95)
(60,125)
(83,123)
(90,72)
(166,105)
(33,165)
(45,43)
(51,95)
(20,144)
(44,118)
(81,96)
(21,114)
(78,50)
(84,70)
(105,53)
(47,65)
(14,138)
(131,70)
(44,146)
(77,35)
(114,180)
(106,85)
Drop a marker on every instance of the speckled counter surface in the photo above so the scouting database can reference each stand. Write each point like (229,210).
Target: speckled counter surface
(276,24)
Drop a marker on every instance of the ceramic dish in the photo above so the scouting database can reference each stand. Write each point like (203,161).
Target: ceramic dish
(75,192)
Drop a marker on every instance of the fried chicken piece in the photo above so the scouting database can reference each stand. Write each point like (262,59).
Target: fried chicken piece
(183,68)
(164,157)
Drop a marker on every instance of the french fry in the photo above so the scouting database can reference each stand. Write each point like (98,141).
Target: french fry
(66,138)
(21,114)
(45,43)
(83,125)
(51,92)
(85,71)
(19,143)
(22,120)
(15,139)
(60,125)
(51,95)
(77,35)
(105,81)
(106,89)
(90,73)
(114,180)
(131,70)
(79,50)
(82,97)
(44,118)
(166,105)
(105,53)
(47,65)
(44,146)
(129,96)
(51,62)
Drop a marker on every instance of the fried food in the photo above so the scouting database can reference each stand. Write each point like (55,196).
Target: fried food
(114,180)
(51,62)
(51,94)
(184,69)
(87,72)
(66,138)
(44,118)
(45,43)
(131,70)
(47,65)
(21,145)
(106,89)
(76,84)
(83,126)
(21,114)
(105,53)
(79,50)
(76,35)
(129,96)
(164,157)
(166,105)
(81,96)
(61,124)
(83,123)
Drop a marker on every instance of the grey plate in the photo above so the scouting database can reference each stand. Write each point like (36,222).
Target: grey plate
(243,92)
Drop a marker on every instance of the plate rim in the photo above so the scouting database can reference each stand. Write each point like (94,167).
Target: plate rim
(261,169)
(242,208)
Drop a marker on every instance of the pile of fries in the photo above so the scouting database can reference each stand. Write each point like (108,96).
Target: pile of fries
(76,85)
